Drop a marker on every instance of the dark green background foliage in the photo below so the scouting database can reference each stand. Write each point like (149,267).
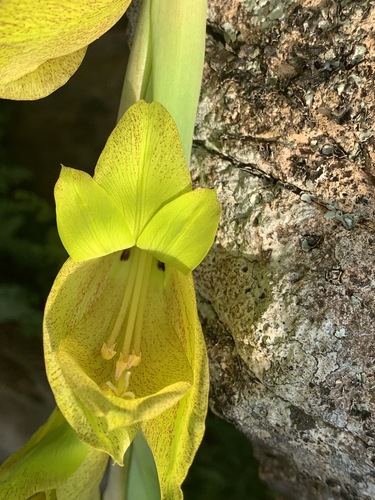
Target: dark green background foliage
(30,249)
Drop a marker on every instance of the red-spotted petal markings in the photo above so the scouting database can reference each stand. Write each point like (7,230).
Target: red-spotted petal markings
(43,43)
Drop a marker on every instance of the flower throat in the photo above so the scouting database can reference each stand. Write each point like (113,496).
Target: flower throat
(125,338)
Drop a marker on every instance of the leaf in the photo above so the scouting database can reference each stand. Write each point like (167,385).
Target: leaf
(142,476)
(52,455)
(138,478)
(84,483)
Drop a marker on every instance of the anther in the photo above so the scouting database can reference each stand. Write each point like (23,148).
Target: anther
(108,352)
(125,254)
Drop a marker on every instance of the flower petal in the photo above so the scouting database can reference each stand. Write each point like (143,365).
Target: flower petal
(142,165)
(182,232)
(41,82)
(52,456)
(174,436)
(84,483)
(89,222)
(31,36)
(81,311)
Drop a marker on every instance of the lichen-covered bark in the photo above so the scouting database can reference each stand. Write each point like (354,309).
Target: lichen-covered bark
(287,294)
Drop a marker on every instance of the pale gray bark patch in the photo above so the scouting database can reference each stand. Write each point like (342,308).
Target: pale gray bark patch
(285,133)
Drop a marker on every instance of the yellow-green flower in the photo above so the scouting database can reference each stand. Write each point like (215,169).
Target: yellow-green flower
(54,464)
(43,43)
(123,345)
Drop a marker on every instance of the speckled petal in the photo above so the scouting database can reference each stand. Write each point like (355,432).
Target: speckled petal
(32,34)
(181,233)
(89,222)
(142,165)
(80,313)
(175,435)
(44,80)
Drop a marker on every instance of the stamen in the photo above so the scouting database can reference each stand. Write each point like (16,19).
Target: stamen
(134,321)
(125,254)
(108,352)
(133,360)
(128,395)
(127,330)
(126,301)
(121,366)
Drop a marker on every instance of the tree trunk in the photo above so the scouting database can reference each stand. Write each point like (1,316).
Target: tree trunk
(286,135)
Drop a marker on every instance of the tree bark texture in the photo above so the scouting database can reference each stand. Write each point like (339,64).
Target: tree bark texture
(285,133)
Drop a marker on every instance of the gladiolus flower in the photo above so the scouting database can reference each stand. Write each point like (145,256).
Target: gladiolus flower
(123,345)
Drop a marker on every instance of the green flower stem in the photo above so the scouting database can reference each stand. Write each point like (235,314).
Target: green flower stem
(166,61)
